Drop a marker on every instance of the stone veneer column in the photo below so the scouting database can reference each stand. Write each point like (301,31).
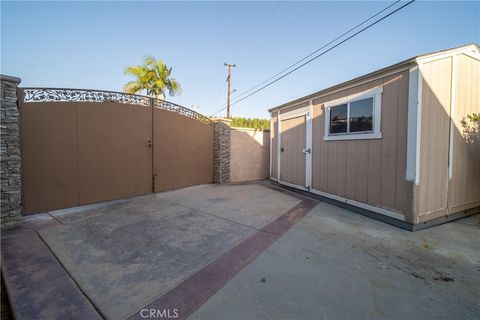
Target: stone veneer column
(222,150)
(11,182)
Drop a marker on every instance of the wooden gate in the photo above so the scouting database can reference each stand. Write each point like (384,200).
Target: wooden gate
(81,147)
(183,151)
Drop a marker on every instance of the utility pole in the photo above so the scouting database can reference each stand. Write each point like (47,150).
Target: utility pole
(229,66)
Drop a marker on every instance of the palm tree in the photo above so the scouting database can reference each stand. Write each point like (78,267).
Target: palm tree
(153,77)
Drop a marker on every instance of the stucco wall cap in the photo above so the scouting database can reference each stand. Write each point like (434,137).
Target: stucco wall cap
(4,77)
(250,129)
(226,121)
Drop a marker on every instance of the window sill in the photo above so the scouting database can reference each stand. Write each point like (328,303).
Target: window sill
(354,136)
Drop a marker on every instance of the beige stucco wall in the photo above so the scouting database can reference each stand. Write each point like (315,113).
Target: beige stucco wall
(249,154)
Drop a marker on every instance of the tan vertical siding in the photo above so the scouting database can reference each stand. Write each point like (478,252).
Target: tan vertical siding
(341,152)
(367,171)
(435,123)
(403,191)
(274,146)
(465,183)
(361,190)
(373,171)
(388,154)
(350,165)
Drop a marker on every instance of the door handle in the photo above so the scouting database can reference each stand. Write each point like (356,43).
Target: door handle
(306,150)
(282,150)
(149,143)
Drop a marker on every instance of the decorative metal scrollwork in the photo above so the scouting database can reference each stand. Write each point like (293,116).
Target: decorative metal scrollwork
(166,105)
(78,95)
(81,95)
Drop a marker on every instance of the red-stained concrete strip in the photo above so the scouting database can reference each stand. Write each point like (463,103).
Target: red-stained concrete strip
(37,285)
(194,291)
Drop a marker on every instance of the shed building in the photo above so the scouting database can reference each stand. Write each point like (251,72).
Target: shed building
(389,144)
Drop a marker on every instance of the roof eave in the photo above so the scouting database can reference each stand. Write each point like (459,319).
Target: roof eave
(402,64)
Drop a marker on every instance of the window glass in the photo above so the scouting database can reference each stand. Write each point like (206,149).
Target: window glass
(338,119)
(361,115)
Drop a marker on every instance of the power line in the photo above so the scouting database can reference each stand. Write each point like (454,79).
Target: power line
(322,47)
(89,69)
(218,94)
(59,67)
(257,29)
(279,31)
(319,55)
(309,55)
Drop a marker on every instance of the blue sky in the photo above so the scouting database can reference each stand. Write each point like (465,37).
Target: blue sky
(89,44)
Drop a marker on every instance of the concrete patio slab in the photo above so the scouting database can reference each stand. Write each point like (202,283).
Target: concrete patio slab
(37,284)
(334,264)
(252,204)
(195,290)
(126,254)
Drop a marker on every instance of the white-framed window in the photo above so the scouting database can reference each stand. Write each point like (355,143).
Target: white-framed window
(354,117)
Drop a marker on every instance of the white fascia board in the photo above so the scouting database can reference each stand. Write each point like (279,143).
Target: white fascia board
(471,51)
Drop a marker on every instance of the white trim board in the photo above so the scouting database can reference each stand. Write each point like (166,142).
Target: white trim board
(376,94)
(292,185)
(354,136)
(419,126)
(309,145)
(452,117)
(272,128)
(467,50)
(413,87)
(279,143)
(355,97)
(385,212)
(294,113)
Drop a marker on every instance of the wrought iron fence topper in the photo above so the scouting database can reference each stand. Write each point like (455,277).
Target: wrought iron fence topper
(84,95)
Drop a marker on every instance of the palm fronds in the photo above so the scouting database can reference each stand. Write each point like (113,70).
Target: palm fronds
(154,77)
